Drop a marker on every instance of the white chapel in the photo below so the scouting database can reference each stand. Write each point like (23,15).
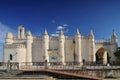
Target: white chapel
(59,49)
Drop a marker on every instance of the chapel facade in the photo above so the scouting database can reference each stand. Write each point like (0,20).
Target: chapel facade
(60,49)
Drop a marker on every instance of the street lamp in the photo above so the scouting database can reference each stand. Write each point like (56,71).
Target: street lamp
(9,65)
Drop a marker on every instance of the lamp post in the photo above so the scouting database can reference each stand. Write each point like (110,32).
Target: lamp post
(14,54)
(9,65)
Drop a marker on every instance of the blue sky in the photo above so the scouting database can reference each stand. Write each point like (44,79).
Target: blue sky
(101,15)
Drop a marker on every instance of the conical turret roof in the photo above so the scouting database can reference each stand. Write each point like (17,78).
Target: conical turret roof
(114,34)
(29,33)
(77,32)
(45,32)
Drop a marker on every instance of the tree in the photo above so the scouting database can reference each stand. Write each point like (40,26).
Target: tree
(117,54)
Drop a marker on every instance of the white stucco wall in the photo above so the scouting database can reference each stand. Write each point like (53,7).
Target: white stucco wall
(69,50)
(49,46)
(85,49)
(18,55)
(37,54)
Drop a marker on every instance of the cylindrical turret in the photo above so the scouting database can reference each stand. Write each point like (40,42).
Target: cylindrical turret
(9,38)
(61,47)
(78,47)
(114,43)
(21,32)
(92,47)
(29,40)
(46,46)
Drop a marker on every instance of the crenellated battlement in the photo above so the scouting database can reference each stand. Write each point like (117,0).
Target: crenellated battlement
(14,46)
(19,41)
(54,38)
(103,41)
(84,37)
(69,37)
(37,38)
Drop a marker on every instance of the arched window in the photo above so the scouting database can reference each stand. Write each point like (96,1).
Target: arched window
(11,56)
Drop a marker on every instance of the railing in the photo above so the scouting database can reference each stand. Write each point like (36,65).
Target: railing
(103,67)
(9,66)
(54,65)
(94,70)
(3,66)
(99,71)
(69,65)
(51,65)
(112,63)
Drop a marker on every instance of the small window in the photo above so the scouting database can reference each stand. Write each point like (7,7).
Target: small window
(10,56)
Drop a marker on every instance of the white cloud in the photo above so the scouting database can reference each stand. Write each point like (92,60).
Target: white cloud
(54,34)
(57,32)
(63,28)
(60,28)
(65,25)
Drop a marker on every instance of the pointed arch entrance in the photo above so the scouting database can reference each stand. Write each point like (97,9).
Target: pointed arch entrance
(102,56)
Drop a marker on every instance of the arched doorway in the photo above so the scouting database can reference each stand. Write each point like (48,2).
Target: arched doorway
(102,56)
